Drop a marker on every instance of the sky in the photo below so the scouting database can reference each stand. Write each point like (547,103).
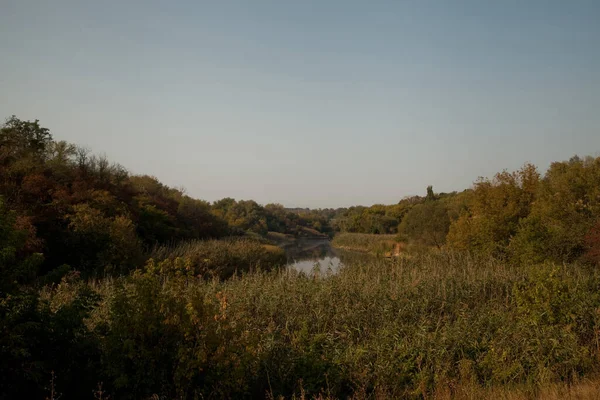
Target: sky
(309,103)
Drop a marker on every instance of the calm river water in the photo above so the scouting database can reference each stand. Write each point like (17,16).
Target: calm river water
(305,254)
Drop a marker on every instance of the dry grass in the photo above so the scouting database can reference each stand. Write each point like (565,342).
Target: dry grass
(369,243)
(587,389)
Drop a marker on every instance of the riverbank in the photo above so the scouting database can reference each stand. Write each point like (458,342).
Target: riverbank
(302,233)
(384,245)
(221,258)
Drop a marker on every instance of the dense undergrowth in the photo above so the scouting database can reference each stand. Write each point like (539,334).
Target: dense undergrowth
(408,328)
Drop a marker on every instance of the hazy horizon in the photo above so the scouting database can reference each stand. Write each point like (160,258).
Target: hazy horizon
(309,104)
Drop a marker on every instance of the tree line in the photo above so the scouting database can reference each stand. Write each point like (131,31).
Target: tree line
(79,209)
(522,216)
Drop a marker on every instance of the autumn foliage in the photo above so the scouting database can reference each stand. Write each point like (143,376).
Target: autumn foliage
(592,242)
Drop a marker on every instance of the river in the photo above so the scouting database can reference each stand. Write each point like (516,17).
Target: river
(306,254)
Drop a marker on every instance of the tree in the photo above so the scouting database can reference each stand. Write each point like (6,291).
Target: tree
(566,208)
(19,139)
(495,210)
(18,264)
(102,243)
(430,194)
(427,224)
(198,221)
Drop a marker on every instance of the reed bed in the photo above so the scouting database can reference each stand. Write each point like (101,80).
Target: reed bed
(439,325)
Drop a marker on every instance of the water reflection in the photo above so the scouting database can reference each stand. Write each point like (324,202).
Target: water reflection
(307,254)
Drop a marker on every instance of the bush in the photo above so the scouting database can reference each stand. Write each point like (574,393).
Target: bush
(36,341)
(495,209)
(562,218)
(426,224)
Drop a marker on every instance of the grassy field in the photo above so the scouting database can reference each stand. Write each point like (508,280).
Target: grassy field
(433,326)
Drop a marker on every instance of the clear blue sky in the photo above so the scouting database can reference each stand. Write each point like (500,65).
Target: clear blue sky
(309,103)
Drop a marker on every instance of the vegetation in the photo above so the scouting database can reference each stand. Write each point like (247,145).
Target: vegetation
(375,244)
(223,258)
(427,224)
(382,219)
(525,218)
(117,285)
(408,328)
(495,209)
(377,219)
(83,211)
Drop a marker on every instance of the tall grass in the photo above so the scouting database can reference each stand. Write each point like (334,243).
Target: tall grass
(376,244)
(223,258)
(440,325)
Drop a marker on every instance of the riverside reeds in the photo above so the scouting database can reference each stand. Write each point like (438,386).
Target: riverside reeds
(436,325)
(223,258)
(376,244)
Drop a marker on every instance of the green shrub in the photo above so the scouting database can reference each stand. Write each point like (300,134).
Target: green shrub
(426,224)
